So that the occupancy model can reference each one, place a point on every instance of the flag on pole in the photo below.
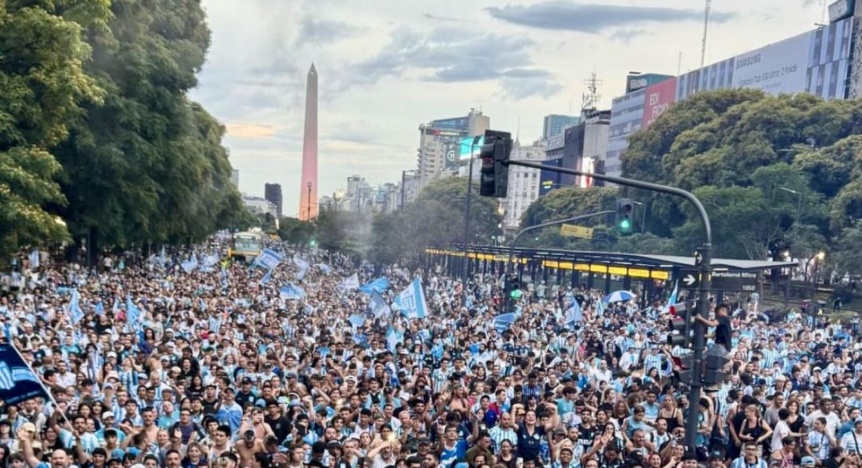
(350, 283)
(673, 298)
(18, 382)
(268, 259)
(411, 301)
(133, 314)
(302, 268)
(379, 285)
(379, 307)
(75, 312)
(574, 314)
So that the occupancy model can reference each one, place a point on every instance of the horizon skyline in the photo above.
(390, 68)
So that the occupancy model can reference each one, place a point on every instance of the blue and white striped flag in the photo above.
(574, 315)
(34, 259)
(75, 312)
(673, 298)
(266, 277)
(393, 338)
(292, 292)
(411, 302)
(502, 322)
(379, 307)
(350, 283)
(356, 320)
(268, 259)
(302, 268)
(133, 314)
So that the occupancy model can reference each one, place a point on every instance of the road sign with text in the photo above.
(571, 230)
(745, 281)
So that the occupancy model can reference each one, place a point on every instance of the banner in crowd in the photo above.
(17, 381)
(380, 285)
(411, 301)
(268, 259)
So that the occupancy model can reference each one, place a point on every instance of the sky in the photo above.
(385, 66)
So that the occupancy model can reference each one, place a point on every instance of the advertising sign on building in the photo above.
(776, 68)
(549, 180)
(659, 98)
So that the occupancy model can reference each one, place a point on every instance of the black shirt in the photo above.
(723, 332)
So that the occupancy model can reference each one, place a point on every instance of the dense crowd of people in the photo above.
(161, 363)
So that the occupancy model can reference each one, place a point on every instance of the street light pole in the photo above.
(798, 202)
(704, 268)
(465, 268)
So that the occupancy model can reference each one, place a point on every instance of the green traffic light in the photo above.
(625, 224)
(516, 294)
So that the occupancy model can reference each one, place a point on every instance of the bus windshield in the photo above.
(246, 244)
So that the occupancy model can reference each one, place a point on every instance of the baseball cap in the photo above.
(808, 461)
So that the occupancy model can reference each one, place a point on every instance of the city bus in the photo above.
(246, 245)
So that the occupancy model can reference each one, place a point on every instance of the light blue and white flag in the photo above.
(34, 259)
(211, 260)
(356, 320)
(503, 322)
(600, 308)
(380, 285)
(326, 269)
(350, 283)
(393, 338)
(292, 292)
(379, 307)
(268, 259)
(302, 268)
(411, 302)
(266, 277)
(672, 299)
(133, 314)
(190, 265)
(574, 314)
(75, 312)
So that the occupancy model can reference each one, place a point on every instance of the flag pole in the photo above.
(41, 384)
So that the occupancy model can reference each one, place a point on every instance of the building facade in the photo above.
(258, 205)
(272, 192)
(445, 144)
(555, 124)
(523, 183)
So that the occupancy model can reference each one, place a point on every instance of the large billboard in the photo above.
(776, 68)
(549, 180)
(658, 99)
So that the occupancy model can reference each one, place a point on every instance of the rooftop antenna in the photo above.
(705, 34)
(592, 97)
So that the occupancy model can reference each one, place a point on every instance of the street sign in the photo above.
(745, 281)
(690, 279)
(571, 230)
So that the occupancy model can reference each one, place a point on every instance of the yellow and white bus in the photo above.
(246, 245)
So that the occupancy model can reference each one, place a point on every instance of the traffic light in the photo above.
(714, 373)
(625, 206)
(680, 325)
(494, 176)
(513, 292)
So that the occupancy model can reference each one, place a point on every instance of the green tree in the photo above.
(296, 232)
(148, 164)
(846, 253)
(42, 88)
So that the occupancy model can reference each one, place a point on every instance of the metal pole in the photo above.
(705, 280)
(798, 207)
(466, 268)
(548, 224)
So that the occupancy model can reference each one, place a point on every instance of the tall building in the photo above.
(272, 192)
(445, 144)
(821, 62)
(555, 124)
(586, 145)
(523, 186)
(234, 178)
(308, 183)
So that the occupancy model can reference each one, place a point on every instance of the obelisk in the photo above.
(308, 183)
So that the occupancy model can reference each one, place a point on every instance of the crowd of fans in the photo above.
(220, 370)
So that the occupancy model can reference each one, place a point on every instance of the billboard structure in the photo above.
(658, 99)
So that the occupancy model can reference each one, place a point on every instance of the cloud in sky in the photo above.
(456, 55)
(564, 15)
(322, 31)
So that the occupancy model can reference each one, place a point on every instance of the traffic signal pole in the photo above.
(544, 225)
(704, 267)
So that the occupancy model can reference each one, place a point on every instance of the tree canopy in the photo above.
(776, 174)
(43, 86)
